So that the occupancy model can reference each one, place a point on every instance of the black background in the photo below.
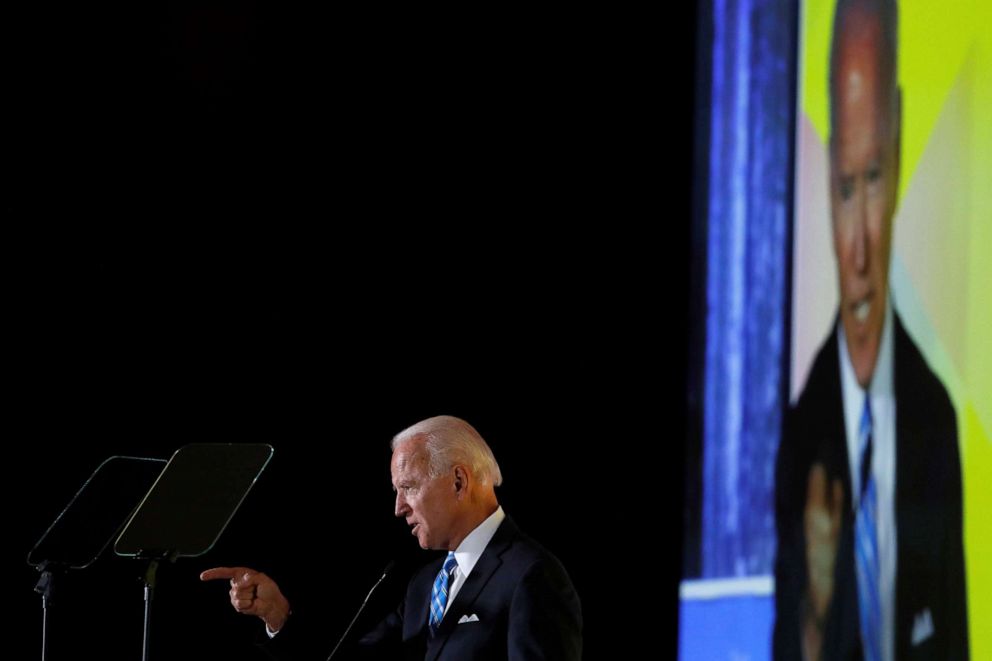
(231, 222)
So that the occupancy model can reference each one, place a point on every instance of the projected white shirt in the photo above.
(882, 394)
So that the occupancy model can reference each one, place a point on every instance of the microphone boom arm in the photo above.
(385, 572)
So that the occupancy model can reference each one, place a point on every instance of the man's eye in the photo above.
(874, 174)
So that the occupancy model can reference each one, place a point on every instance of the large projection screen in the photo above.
(941, 274)
(757, 339)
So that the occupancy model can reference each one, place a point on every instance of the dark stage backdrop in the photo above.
(236, 224)
(141, 360)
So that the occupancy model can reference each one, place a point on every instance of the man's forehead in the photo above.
(408, 456)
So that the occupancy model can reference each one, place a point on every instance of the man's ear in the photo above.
(461, 480)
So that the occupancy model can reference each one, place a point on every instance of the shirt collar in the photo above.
(471, 548)
(881, 381)
(882, 384)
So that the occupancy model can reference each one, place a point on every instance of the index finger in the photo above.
(221, 572)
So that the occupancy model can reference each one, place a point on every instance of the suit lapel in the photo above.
(416, 609)
(907, 426)
(842, 636)
(489, 562)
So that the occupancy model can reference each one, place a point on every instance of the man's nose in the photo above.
(401, 507)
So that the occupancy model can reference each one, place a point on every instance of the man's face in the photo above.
(864, 177)
(426, 504)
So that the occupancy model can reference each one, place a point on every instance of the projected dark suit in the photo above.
(930, 610)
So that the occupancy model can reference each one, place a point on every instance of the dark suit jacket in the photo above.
(520, 595)
(930, 555)
(524, 602)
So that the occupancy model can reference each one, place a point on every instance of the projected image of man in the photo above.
(870, 560)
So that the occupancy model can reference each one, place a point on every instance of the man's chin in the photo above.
(863, 363)
(862, 352)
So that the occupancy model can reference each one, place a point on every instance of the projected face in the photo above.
(426, 503)
(864, 177)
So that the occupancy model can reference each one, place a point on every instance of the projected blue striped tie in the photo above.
(866, 547)
(439, 594)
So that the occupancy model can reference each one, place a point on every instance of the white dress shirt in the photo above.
(466, 555)
(468, 552)
(881, 393)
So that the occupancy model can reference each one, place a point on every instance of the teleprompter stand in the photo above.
(93, 517)
(188, 507)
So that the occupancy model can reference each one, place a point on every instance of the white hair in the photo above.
(451, 441)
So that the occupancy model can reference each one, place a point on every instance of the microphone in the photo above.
(385, 572)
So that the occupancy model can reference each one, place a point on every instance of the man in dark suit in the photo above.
(497, 595)
(870, 561)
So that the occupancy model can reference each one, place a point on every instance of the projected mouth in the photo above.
(861, 311)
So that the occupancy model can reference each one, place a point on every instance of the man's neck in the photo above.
(473, 521)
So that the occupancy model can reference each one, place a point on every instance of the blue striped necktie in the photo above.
(439, 594)
(866, 546)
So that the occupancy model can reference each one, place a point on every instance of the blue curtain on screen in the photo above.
(746, 290)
